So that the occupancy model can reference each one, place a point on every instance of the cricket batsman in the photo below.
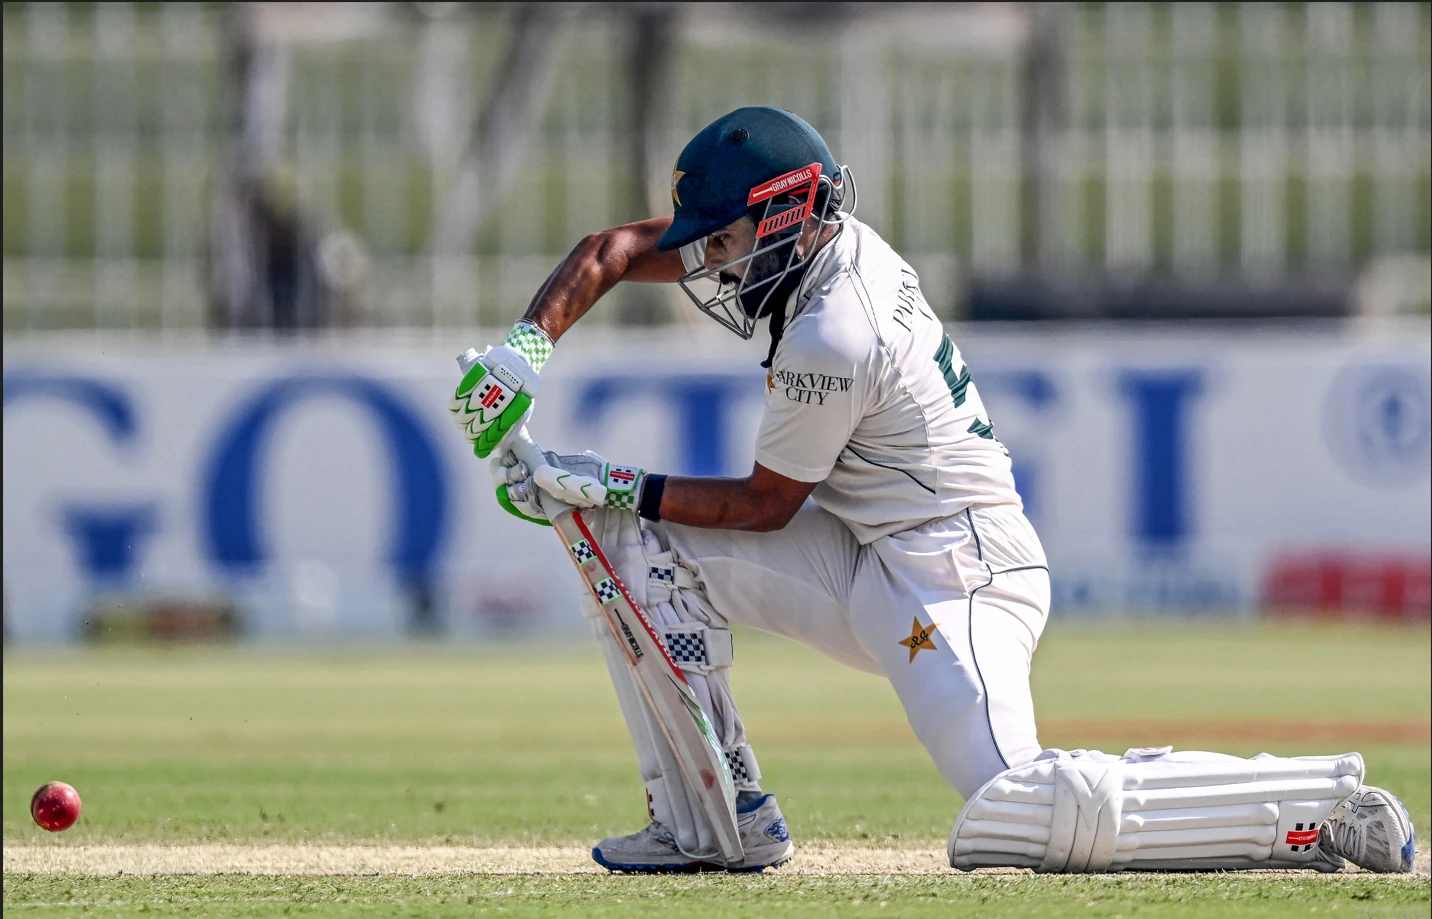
(881, 526)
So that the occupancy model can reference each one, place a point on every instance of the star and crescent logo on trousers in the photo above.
(922, 637)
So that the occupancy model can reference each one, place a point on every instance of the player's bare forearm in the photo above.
(761, 502)
(595, 265)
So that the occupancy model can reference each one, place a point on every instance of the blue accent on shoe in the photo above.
(754, 807)
(778, 831)
(1409, 850)
(683, 868)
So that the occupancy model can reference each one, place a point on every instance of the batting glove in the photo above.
(495, 396)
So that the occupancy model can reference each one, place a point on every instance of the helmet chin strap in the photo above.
(779, 298)
(787, 285)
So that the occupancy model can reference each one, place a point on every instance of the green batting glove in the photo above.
(516, 492)
(495, 395)
(505, 500)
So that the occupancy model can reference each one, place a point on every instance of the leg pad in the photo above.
(1087, 812)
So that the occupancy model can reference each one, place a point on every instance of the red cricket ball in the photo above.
(55, 807)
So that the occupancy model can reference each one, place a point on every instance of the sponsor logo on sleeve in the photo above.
(807, 388)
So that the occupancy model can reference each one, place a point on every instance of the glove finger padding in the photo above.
(572, 487)
(507, 469)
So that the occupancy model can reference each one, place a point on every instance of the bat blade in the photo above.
(684, 724)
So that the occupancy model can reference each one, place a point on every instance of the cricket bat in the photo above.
(668, 695)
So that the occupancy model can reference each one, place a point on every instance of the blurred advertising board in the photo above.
(319, 490)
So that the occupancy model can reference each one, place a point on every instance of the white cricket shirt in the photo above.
(868, 396)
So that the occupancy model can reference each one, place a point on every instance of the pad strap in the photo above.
(744, 768)
(664, 574)
(698, 648)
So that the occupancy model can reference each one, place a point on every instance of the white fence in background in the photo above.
(1194, 138)
(324, 488)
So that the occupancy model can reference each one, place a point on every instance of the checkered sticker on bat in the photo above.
(606, 590)
(582, 551)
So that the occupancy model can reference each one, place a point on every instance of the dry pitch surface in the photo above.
(413, 861)
(261, 880)
(245, 881)
(426, 861)
(425, 784)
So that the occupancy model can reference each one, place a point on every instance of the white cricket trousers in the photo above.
(949, 612)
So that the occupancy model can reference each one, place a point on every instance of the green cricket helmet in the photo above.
(767, 163)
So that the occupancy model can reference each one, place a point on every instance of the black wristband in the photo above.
(650, 506)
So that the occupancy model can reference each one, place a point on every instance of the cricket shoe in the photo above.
(653, 850)
(1371, 829)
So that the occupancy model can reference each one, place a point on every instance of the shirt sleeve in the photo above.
(816, 395)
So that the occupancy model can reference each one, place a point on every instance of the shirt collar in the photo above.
(825, 264)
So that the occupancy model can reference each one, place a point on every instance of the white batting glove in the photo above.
(516, 492)
(588, 480)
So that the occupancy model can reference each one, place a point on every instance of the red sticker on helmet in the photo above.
(796, 178)
(793, 179)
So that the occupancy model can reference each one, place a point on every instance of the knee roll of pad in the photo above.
(1064, 813)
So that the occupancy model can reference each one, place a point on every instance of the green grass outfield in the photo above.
(458, 781)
